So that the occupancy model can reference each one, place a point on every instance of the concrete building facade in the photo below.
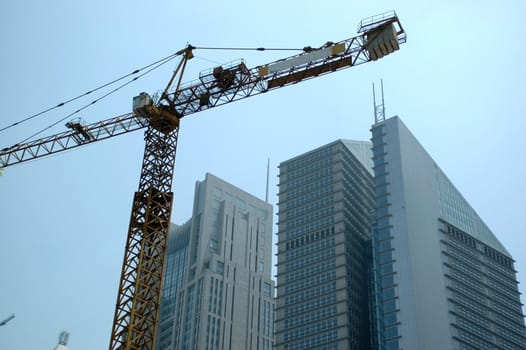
(325, 200)
(443, 280)
(218, 292)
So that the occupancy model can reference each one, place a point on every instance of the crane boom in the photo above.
(139, 295)
(79, 135)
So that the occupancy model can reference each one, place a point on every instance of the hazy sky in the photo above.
(458, 85)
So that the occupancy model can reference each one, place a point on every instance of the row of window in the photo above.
(317, 178)
(216, 296)
(506, 294)
(307, 194)
(307, 249)
(174, 274)
(451, 251)
(512, 323)
(213, 328)
(310, 293)
(317, 255)
(310, 282)
(187, 336)
(323, 341)
(510, 335)
(310, 217)
(310, 317)
(487, 284)
(322, 326)
(505, 279)
(299, 203)
(309, 226)
(475, 244)
(306, 164)
(475, 316)
(267, 318)
(464, 252)
(309, 270)
(473, 340)
(310, 305)
(292, 210)
(356, 216)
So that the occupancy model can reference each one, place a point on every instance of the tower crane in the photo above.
(139, 293)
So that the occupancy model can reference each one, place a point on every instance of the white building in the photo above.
(218, 292)
(443, 280)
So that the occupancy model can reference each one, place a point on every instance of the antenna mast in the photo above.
(63, 338)
(379, 110)
(266, 191)
(4, 322)
(62, 341)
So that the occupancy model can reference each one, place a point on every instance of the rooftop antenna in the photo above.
(266, 191)
(379, 110)
(62, 341)
(63, 338)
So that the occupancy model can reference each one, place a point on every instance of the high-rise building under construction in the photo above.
(218, 292)
(390, 261)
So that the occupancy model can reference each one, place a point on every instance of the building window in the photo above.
(266, 289)
(220, 267)
(214, 244)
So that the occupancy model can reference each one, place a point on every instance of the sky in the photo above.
(457, 84)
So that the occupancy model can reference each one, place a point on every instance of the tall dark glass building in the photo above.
(175, 268)
(325, 200)
(397, 260)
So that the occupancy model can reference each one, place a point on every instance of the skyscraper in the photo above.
(325, 200)
(218, 292)
(443, 280)
(398, 260)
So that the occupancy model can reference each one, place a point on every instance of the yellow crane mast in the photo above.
(139, 294)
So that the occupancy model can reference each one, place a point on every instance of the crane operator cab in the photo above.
(161, 117)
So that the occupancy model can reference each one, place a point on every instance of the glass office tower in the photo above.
(325, 201)
(217, 291)
(443, 280)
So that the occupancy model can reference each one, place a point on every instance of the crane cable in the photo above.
(156, 64)
(103, 96)
(248, 48)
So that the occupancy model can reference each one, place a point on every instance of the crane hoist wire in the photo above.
(96, 100)
(152, 66)
(155, 65)
(246, 48)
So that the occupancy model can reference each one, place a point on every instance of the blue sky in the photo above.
(458, 85)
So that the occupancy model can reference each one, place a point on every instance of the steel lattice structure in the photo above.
(138, 299)
(135, 320)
